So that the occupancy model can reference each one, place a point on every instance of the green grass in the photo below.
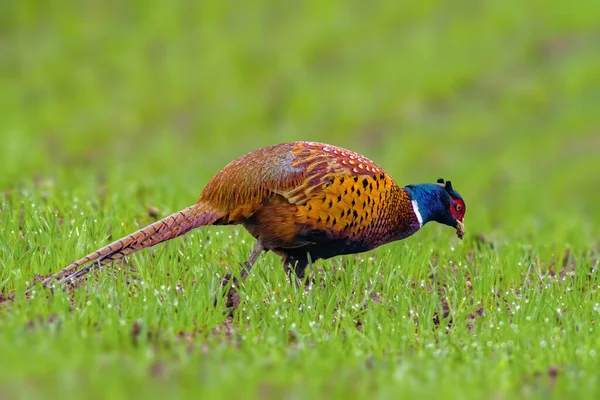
(107, 110)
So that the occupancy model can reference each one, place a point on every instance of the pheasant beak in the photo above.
(460, 229)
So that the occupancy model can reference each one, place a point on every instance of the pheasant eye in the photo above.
(458, 207)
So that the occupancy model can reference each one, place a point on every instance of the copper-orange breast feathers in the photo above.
(358, 205)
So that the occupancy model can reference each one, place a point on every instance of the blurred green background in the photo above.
(501, 97)
(108, 108)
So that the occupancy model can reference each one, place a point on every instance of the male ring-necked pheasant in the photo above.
(303, 201)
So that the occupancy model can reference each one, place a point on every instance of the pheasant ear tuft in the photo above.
(441, 180)
(449, 186)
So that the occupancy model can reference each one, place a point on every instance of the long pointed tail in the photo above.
(167, 228)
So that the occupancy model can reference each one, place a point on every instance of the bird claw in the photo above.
(232, 298)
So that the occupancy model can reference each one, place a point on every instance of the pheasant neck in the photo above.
(426, 201)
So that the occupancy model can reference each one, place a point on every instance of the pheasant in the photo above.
(302, 200)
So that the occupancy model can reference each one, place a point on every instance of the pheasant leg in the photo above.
(233, 297)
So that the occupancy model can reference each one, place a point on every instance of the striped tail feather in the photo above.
(167, 228)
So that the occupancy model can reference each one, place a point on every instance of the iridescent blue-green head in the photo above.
(438, 202)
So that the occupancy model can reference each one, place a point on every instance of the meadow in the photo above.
(115, 115)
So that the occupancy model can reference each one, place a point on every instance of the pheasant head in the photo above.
(438, 202)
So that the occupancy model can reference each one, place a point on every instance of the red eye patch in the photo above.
(457, 209)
